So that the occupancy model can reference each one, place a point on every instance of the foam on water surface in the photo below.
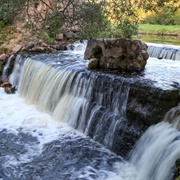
(34, 144)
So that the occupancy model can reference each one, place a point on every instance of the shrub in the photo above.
(53, 22)
(9, 9)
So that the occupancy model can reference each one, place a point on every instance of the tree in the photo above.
(157, 5)
(123, 15)
(90, 18)
(165, 10)
(86, 17)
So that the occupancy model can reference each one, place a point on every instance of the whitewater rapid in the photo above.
(32, 132)
(37, 126)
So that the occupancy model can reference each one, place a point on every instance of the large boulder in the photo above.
(119, 54)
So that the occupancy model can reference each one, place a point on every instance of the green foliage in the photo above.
(124, 18)
(53, 22)
(177, 18)
(5, 14)
(2, 25)
(165, 12)
(158, 5)
(127, 29)
(46, 38)
(164, 18)
(92, 20)
(9, 9)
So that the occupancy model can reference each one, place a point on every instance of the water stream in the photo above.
(61, 123)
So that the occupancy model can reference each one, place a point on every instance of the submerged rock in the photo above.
(122, 54)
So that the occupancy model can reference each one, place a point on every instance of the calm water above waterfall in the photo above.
(60, 123)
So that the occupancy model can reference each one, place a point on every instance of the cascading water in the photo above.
(72, 97)
(164, 51)
(35, 146)
(155, 154)
(6, 72)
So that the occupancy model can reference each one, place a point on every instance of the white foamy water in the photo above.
(18, 117)
(15, 114)
(155, 154)
(36, 146)
(152, 159)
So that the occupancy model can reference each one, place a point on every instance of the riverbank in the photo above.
(159, 34)
(157, 29)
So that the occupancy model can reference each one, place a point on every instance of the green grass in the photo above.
(159, 34)
(151, 28)
(160, 39)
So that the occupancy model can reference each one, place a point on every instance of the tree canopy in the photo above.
(91, 18)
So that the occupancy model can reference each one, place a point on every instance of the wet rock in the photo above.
(60, 47)
(8, 88)
(41, 49)
(121, 54)
(16, 49)
(148, 105)
(1, 66)
(30, 45)
(3, 57)
(177, 170)
(38, 47)
(93, 63)
(6, 84)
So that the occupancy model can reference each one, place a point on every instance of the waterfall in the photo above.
(95, 105)
(173, 117)
(77, 98)
(6, 67)
(164, 52)
(156, 152)
(15, 76)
